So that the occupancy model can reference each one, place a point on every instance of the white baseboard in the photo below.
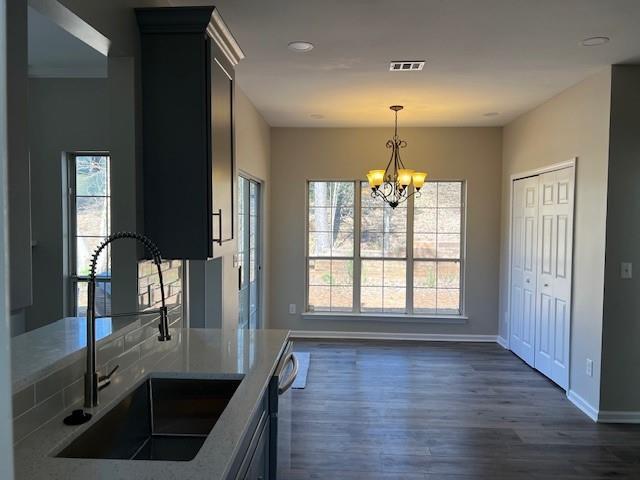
(502, 342)
(614, 416)
(583, 405)
(420, 337)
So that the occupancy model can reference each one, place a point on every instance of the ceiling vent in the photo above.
(407, 66)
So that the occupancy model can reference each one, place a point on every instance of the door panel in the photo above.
(554, 279)
(222, 135)
(523, 267)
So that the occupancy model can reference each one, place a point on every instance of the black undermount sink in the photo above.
(162, 419)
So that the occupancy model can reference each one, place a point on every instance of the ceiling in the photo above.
(483, 56)
(53, 52)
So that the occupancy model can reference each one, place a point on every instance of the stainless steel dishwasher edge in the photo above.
(281, 414)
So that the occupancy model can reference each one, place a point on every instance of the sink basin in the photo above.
(162, 419)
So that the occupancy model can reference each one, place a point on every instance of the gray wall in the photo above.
(620, 388)
(575, 123)
(301, 154)
(65, 115)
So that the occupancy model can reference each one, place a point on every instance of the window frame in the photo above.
(409, 315)
(71, 231)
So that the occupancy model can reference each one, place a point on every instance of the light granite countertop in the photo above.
(192, 353)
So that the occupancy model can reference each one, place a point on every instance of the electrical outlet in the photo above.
(589, 367)
(292, 308)
(625, 270)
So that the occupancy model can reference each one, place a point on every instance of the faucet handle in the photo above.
(105, 380)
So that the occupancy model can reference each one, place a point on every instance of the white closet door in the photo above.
(523, 268)
(555, 242)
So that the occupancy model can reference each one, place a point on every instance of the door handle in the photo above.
(219, 215)
(284, 386)
(546, 284)
(240, 277)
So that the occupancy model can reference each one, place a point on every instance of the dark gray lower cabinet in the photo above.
(259, 465)
(257, 452)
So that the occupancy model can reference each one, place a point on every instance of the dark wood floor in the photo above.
(447, 411)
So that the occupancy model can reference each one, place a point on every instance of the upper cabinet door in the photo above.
(223, 167)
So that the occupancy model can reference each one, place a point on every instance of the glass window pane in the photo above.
(428, 196)
(320, 219)
(320, 244)
(448, 220)
(85, 246)
(372, 220)
(425, 220)
(448, 300)
(448, 245)
(395, 220)
(448, 274)
(319, 298)
(342, 219)
(371, 244)
(395, 273)
(81, 299)
(449, 194)
(341, 299)
(342, 245)
(424, 300)
(395, 245)
(92, 175)
(319, 272)
(371, 299)
(424, 245)
(92, 217)
(424, 274)
(319, 194)
(371, 273)
(342, 272)
(395, 299)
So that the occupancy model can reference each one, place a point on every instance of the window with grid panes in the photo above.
(406, 260)
(330, 247)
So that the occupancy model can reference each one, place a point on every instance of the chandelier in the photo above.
(392, 183)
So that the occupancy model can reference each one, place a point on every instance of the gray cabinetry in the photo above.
(188, 173)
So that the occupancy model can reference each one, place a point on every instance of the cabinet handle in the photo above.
(219, 215)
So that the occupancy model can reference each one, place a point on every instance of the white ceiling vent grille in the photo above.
(406, 66)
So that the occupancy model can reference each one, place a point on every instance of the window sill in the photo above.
(387, 317)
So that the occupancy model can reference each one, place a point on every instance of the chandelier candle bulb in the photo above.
(418, 180)
(376, 178)
(404, 176)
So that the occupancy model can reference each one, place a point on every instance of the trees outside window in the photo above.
(363, 256)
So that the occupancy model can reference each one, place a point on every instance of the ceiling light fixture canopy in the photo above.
(595, 41)
(393, 183)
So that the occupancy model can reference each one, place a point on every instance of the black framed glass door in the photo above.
(249, 252)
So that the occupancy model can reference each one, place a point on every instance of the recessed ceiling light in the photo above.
(317, 116)
(491, 114)
(594, 41)
(300, 46)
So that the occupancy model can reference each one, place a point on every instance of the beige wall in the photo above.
(301, 154)
(573, 124)
(253, 154)
(621, 329)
